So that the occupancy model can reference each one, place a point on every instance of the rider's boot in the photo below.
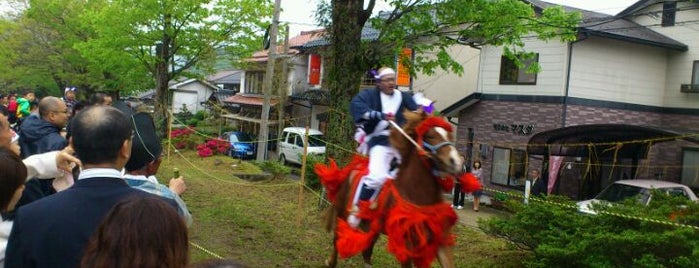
(364, 194)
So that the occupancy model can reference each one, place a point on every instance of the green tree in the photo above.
(168, 38)
(425, 26)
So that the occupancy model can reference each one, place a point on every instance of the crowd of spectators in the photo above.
(77, 186)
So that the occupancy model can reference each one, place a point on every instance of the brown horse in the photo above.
(410, 210)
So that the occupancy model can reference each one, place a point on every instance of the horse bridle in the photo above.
(432, 148)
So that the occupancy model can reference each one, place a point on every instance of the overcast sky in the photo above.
(299, 13)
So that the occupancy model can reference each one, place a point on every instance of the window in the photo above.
(253, 82)
(690, 167)
(510, 74)
(669, 10)
(509, 167)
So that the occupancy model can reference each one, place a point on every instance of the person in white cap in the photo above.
(69, 98)
(371, 110)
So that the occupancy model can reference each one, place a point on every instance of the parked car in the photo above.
(639, 189)
(243, 145)
(290, 147)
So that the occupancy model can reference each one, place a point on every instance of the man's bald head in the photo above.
(99, 133)
(49, 104)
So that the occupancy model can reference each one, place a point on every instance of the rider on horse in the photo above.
(371, 110)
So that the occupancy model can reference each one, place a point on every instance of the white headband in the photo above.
(385, 71)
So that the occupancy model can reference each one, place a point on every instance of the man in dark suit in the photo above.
(538, 184)
(53, 231)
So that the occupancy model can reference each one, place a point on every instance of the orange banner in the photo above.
(403, 73)
(314, 69)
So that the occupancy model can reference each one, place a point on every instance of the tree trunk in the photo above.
(162, 78)
(346, 68)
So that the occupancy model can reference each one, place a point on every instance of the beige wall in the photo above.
(549, 82)
(679, 64)
(605, 69)
(447, 88)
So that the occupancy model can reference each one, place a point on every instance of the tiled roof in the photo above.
(616, 28)
(225, 76)
(223, 94)
(249, 100)
(315, 96)
(368, 33)
(296, 41)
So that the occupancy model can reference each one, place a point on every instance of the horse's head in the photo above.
(435, 137)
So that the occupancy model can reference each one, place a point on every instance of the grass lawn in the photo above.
(262, 225)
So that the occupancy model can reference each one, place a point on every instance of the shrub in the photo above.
(312, 180)
(212, 147)
(201, 115)
(192, 122)
(278, 170)
(559, 236)
(183, 115)
(185, 138)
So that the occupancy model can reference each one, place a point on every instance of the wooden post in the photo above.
(303, 175)
(169, 136)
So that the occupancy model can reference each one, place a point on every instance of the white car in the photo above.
(290, 146)
(640, 189)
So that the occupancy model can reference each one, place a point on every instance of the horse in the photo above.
(409, 209)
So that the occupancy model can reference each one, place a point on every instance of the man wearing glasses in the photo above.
(41, 134)
(371, 110)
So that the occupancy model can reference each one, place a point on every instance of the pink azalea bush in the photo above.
(186, 138)
(213, 146)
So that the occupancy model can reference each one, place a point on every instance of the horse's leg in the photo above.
(445, 255)
(367, 253)
(331, 262)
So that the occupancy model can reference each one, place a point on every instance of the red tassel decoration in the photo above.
(469, 183)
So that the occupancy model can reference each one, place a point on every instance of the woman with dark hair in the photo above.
(477, 171)
(139, 232)
(13, 173)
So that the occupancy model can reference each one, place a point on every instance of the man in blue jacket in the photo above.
(371, 110)
(42, 134)
(52, 232)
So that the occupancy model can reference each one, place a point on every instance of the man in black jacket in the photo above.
(53, 231)
(42, 134)
(538, 184)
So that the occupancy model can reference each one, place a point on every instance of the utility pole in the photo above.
(267, 85)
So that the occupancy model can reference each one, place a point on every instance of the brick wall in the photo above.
(490, 121)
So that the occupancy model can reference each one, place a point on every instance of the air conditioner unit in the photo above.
(690, 88)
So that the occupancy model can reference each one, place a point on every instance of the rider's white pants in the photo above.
(379, 164)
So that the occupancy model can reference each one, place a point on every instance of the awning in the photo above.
(603, 140)
(314, 96)
(247, 119)
(256, 100)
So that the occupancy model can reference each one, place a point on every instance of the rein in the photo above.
(433, 148)
(421, 150)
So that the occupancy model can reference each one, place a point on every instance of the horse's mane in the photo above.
(413, 119)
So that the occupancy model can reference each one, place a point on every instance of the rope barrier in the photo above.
(205, 250)
(574, 207)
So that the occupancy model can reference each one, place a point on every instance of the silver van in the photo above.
(290, 147)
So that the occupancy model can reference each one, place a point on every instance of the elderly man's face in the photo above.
(59, 117)
(387, 84)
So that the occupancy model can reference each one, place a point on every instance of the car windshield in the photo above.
(618, 192)
(316, 141)
(240, 137)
